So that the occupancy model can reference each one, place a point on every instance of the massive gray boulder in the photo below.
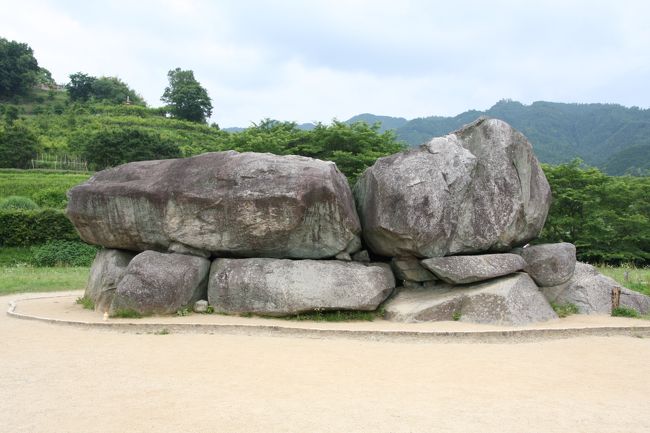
(224, 203)
(469, 269)
(277, 287)
(160, 283)
(510, 300)
(107, 270)
(591, 292)
(549, 264)
(475, 190)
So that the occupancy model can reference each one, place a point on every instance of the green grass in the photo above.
(11, 256)
(564, 310)
(27, 183)
(338, 316)
(638, 279)
(127, 313)
(625, 312)
(27, 279)
(85, 302)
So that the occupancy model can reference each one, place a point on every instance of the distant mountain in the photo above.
(609, 136)
(386, 122)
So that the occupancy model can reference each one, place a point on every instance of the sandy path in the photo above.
(60, 379)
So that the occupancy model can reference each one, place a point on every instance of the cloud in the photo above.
(317, 60)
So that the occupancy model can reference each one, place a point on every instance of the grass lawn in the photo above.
(638, 279)
(25, 279)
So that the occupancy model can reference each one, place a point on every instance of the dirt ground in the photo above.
(64, 379)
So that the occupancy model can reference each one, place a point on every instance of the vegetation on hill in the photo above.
(609, 136)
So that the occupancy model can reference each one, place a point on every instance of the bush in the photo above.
(564, 310)
(53, 198)
(19, 228)
(625, 312)
(18, 146)
(16, 202)
(63, 253)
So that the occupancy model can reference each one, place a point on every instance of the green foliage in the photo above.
(63, 253)
(53, 198)
(34, 227)
(24, 279)
(337, 316)
(127, 313)
(80, 86)
(86, 302)
(610, 136)
(15, 256)
(183, 312)
(607, 218)
(18, 146)
(186, 98)
(16, 202)
(111, 147)
(456, 316)
(42, 186)
(114, 91)
(19, 69)
(564, 310)
(625, 312)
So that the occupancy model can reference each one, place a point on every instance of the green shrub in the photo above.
(16, 202)
(564, 310)
(127, 313)
(86, 302)
(625, 312)
(53, 198)
(63, 253)
(20, 228)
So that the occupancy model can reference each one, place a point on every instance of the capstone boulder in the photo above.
(478, 189)
(222, 203)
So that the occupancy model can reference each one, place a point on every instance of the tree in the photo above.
(18, 145)
(111, 147)
(114, 91)
(186, 98)
(80, 87)
(18, 68)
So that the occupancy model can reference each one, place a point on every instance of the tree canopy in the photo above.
(19, 70)
(83, 87)
(185, 97)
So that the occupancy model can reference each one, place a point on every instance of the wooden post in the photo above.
(616, 297)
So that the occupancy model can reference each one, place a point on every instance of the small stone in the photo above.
(362, 256)
(470, 269)
(345, 257)
(200, 306)
(409, 268)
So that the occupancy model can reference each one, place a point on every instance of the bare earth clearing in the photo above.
(64, 379)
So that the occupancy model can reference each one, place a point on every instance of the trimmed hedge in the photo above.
(20, 228)
(63, 253)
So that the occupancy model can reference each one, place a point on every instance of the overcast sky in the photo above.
(317, 60)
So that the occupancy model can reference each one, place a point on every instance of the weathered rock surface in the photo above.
(469, 269)
(510, 300)
(200, 306)
(410, 269)
(549, 264)
(478, 189)
(591, 292)
(107, 270)
(277, 287)
(226, 203)
(159, 283)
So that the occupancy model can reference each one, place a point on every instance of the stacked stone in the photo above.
(251, 233)
(279, 235)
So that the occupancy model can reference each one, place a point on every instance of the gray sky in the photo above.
(317, 60)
